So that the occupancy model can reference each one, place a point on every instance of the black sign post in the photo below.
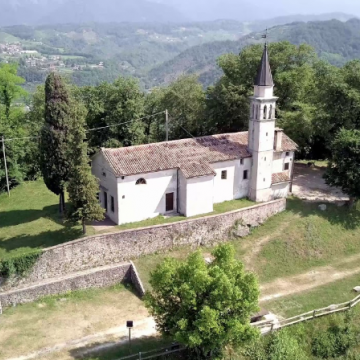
(130, 325)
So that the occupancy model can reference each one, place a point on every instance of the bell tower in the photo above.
(262, 132)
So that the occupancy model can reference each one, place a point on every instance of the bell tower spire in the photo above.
(262, 131)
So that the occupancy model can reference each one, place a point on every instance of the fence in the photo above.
(163, 353)
(267, 326)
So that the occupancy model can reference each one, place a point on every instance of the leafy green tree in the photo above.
(204, 307)
(185, 101)
(54, 160)
(12, 125)
(10, 88)
(109, 105)
(344, 165)
(83, 186)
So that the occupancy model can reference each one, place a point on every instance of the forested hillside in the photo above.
(334, 41)
(95, 52)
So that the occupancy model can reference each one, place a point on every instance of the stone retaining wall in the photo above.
(112, 248)
(99, 278)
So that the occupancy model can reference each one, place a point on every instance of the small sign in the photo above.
(129, 324)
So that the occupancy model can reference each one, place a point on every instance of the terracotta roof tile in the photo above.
(280, 177)
(193, 170)
(180, 153)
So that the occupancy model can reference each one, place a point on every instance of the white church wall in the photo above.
(199, 196)
(234, 186)
(182, 193)
(141, 202)
(108, 185)
(264, 91)
(280, 191)
(280, 159)
(264, 135)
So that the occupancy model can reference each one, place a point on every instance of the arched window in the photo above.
(253, 111)
(271, 112)
(141, 182)
(265, 112)
(257, 112)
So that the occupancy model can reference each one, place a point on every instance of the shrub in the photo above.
(19, 265)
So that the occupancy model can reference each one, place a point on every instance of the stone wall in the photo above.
(136, 281)
(96, 278)
(122, 246)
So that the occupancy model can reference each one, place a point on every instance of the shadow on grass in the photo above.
(336, 215)
(113, 350)
(18, 217)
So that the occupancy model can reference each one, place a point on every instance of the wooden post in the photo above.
(314, 315)
(167, 124)
(5, 164)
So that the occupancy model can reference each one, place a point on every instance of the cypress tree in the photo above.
(54, 160)
(82, 186)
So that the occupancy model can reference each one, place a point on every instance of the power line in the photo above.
(89, 130)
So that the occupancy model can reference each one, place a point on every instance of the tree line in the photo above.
(316, 101)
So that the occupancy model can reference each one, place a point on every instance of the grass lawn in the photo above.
(335, 293)
(29, 219)
(318, 163)
(57, 320)
(301, 238)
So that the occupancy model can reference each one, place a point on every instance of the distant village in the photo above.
(34, 59)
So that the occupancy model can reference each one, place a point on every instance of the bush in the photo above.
(336, 341)
(19, 265)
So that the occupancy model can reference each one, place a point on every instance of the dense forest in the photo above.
(316, 100)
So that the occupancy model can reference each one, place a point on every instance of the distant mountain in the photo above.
(334, 41)
(35, 12)
(247, 10)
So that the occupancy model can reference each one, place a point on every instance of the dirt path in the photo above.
(308, 281)
(143, 328)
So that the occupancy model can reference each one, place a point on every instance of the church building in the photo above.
(189, 176)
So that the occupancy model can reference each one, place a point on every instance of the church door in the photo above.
(169, 202)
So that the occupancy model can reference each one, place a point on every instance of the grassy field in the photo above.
(318, 163)
(58, 320)
(301, 238)
(29, 219)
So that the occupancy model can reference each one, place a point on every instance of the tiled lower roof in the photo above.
(179, 154)
(193, 170)
(280, 177)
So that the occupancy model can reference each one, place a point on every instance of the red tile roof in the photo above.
(280, 177)
(193, 156)
(193, 170)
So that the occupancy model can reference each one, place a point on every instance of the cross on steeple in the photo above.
(265, 36)
(264, 76)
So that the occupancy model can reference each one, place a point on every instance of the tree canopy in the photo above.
(204, 306)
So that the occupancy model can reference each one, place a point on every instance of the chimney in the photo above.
(278, 139)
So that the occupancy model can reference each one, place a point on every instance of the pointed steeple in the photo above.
(264, 76)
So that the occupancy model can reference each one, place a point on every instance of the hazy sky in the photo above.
(257, 9)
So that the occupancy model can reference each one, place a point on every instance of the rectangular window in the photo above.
(286, 166)
(112, 204)
(106, 201)
(242, 162)
(287, 153)
(170, 202)
(246, 174)
(224, 175)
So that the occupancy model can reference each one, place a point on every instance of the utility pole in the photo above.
(6, 170)
(167, 124)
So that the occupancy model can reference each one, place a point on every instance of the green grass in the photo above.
(301, 238)
(29, 220)
(318, 163)
(334, 293)
(218, 209)
(8, 38)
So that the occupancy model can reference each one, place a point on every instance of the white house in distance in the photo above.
(189, 176)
